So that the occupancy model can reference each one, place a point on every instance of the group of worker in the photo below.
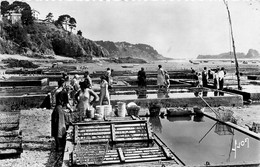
(163, 78)
(76, 94)
(218, 76)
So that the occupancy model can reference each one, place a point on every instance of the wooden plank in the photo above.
(94, 133)
(121, 155)
(94, 136)
(166, 152)
(10, 140)
(113, 135)
(108, 123)
(93, 127)
(111, 162)
(111, 158)
(132, 139)
(159, 154)
(149, 133)
(112, 151)
(131, 129)
(10, 145)
(130, 135)
(140, 149)
(9, 133)
(129, 125)
(10, 151)
(94, 130)
(8, 127)
(143, 152)
(145, 159)
(76, 134)
(94, 141)
(144, 156)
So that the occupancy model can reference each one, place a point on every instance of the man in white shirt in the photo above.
(221, 75)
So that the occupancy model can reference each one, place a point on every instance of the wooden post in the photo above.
(234, 48)
(149, 133)
(76, 130)
(113, 133)
(166, 152)
(121, 155)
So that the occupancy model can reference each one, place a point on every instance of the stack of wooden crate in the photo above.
(10, 135)
(107, 143)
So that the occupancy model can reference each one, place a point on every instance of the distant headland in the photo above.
(251, 54)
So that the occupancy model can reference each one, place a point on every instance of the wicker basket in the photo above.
(133, 110)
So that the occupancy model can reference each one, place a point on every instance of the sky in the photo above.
(176, 29)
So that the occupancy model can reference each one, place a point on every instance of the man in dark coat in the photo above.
(58, 125)
(141, 77)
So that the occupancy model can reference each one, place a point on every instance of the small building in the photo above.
(13, 17)
(35, 14)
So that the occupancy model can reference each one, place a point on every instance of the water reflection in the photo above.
(156, 124)
(198, 93)
(195, 143)
(205, 93)
(174, 119)
(198, 118)
(218, 93)
(222, 129)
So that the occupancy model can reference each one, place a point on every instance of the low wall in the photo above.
(14, 103)
(12, 83)
(236, 100)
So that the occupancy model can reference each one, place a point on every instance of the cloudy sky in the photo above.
(177, 29)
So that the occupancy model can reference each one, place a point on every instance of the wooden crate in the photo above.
(118, 131)
(10, 135)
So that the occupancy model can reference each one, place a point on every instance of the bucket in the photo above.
(107, 110)
(121, 109)
(100, 110)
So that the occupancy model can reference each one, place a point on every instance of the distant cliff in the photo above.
(124, 50)
(251, 54)
(47, 39)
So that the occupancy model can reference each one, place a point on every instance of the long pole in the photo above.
(234, 48)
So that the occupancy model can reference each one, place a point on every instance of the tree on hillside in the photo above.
(79, 33)
(72, 23)
(24, 9)
(63, 20)
(49, 17)
(4, 7)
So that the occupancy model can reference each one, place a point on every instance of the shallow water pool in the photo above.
(171, 95)
(197, 140)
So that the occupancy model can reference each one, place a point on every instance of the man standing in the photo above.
(221, 75)
(87, 79)
(160, 77)
(205, 77)
(141, 77)
(58, 124)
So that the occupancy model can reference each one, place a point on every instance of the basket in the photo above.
(222, 129)
(225, 115)
(133, 110)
